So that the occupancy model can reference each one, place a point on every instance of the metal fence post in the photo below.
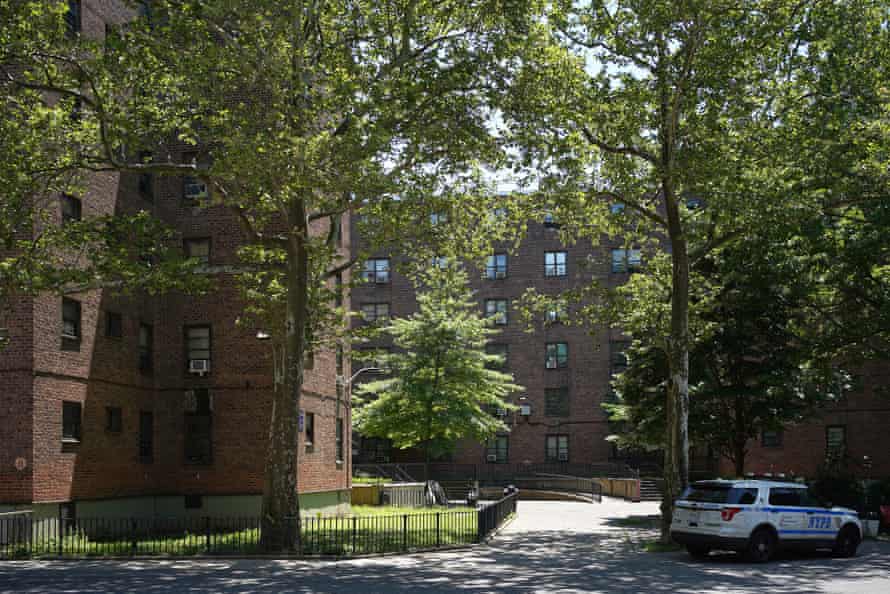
(206, 534)
(61, 533)
(354, 531)
(405, 532)
(438, 532)
(134, 541)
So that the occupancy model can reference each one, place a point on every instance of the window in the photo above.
(771, 438)
(194, 502)
(554, 263)
(309, 428)
(113, 419)
(498, 350)
(146, 436)
(557, 448)
(193, 189)
(499, 212)
(556, 402)
(376, 271)
(616, 208)
(694, 203)
(440, 262)
(375, 312)
(73, 18)
(199, 430)
(497, 449)
(198, 248)
(550, 221)
(497, 308)
(70, 319)
(617, 357)
(71, 421)
(557, 312)
(71, 209)
(146, 347)
(785, 496)
(146, 180)
(625, 260)
(496, 267)
(114, 324)
(715, 493)
(835, 442)
(437, 218)
(339, 438)
(197, 343)
(556, 355)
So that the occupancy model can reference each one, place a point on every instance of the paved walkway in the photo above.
(550, 547)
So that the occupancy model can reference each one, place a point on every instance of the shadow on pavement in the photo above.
(522, 562)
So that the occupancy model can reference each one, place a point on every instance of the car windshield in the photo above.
(711, 493)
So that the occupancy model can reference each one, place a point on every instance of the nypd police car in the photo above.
(759, 517)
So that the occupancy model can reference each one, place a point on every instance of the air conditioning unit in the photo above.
(563, 456)
(500, 274)
(492, 457)
(199, 366)
(525, 410)
(195, 191)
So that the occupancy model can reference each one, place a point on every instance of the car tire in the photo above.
(698, 551)
(761, 545)
(847, 542)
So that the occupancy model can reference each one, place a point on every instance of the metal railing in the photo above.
(448, 471)
(26, 536)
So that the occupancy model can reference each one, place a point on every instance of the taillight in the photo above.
(728, 513)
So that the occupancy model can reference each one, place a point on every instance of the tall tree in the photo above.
(442, 385)
(629, 112)
(298, 111)
(754, 366)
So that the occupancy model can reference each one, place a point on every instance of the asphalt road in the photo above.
(550, 547)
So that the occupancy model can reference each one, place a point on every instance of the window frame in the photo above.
(339, 441)
(74, 18)
(494, 270)
(71, 209)
(773, 442)
(553, 267)
(110, 325)
(114, 419)
(829, 453)
(615, 351)
(191, 157)
(189, 242)
(631, 260)
(201, 418)
(188, 349)
(557, 312)
(493, 446)
(67, 302)
(377, 317)
(309, 431)
(501, 317)
(145, 182)
(146, 352)
(557, 437)
(559, 357)
(551, 409)
(146, 442)
(503, 349)
(72, 421)
(373, 273)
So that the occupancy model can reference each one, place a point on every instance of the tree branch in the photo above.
(618, 150)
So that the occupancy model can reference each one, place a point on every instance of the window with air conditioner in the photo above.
(557, 448)
(71, 319)
(198, 349)
(496, 267)
(496, 449)
(375, 312)
(624, 260)
(197, 249)
(194, 189)
(71, 421)
(502, 351)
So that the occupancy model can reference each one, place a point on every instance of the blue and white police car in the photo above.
(759, 517)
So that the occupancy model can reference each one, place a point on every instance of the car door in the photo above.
(786, 513)
(822, 524)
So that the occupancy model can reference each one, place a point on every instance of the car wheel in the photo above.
(698, 551)
(761, 546)
(847, 542)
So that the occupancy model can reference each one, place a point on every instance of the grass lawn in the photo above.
(366, 530)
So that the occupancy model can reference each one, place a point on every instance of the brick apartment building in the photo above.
(566, 372)
(154, 405)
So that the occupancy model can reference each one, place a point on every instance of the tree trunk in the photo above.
(739, 459)
(281, 506)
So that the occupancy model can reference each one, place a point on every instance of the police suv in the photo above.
(758, 517)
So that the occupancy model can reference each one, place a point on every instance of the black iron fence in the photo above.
(24, 535)
(447, 471)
